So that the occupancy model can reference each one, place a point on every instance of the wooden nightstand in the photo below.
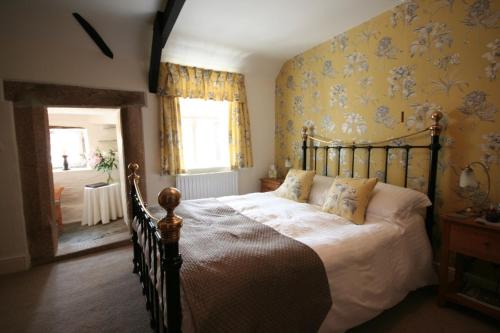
(270, 184)
(465, 237)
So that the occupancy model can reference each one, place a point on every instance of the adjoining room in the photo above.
(86, 157)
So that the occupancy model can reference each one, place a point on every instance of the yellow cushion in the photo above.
(297, 185)
(348, 197)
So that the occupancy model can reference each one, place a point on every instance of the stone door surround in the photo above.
(30, 101)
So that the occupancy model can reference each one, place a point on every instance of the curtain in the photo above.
(170, 136)
(177, 81)
(240, 152)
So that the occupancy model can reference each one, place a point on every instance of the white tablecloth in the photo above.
(101, 204)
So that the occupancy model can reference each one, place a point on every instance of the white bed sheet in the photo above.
(370, 267)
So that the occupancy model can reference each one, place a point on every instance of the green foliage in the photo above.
(104, 162)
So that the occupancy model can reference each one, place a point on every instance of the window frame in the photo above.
(84, 144)
(210, 169)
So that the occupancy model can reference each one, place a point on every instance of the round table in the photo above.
(101, 204)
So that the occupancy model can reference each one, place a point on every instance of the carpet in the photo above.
(95, 293)
(99, 293)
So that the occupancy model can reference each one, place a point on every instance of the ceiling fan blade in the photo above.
(94, 35)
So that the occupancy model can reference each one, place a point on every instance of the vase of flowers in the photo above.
(104, 162)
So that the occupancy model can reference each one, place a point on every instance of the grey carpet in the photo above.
(419, 312)
(98, 293)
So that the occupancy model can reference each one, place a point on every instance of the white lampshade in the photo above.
(468, 178)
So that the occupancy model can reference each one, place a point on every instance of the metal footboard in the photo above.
(156, 257)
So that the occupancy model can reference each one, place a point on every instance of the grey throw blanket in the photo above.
(239, 275)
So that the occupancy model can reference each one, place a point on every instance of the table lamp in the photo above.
(469, 181)
(288, 165)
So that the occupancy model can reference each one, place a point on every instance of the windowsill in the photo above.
(70, 170)
(207, 170)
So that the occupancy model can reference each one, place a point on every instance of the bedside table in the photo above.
(464, 237)
(270, 184)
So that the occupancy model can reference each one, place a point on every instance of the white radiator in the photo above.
(207, 185)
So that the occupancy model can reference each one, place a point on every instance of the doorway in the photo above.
(30, 102)
(89, 193)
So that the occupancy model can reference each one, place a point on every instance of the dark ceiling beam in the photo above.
(163, 25)
(94, 35)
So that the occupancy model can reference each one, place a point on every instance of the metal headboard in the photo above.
(310, 149)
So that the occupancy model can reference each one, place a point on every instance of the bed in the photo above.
(366, 269)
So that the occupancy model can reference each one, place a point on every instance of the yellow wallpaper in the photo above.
(419, 57)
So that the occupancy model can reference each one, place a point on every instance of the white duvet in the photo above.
(370, 267)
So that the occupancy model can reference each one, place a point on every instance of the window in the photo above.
(72, 142)
(205, 134)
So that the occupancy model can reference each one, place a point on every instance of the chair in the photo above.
(57, 204)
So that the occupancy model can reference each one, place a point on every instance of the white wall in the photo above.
(42, 43)
(260, 91)
(13, 246)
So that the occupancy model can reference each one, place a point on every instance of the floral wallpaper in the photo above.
(386, 76)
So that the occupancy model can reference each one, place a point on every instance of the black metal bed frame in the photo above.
(311, 150)
(159, 274)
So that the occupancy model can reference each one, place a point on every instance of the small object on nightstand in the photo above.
(270, 184)
(272, 173)
(492, 215)
(466, 237)
(288, 165)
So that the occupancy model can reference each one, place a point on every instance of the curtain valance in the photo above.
(192, 82)
(177, 81)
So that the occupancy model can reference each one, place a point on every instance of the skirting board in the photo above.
(13, 264)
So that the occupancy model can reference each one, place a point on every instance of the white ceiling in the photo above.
(234, 35)
(237, 35)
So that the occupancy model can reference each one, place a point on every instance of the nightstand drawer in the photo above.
(475, 242)
(270, 184)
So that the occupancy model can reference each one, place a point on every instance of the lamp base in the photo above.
(470, 212)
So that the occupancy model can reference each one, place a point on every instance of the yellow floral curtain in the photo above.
(240, 148)
(171, 136)
(177, 81)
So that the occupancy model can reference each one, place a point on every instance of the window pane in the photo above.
(205, 135)
(72, 142)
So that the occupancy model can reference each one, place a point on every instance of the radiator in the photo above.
(207, 185)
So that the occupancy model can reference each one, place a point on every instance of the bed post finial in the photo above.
(170, 226)
(133, 167)
(436, 127)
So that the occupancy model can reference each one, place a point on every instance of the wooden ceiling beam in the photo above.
(163, 25)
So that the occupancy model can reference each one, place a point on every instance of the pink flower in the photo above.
(95, 160)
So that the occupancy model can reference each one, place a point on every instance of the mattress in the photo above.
(370, 267)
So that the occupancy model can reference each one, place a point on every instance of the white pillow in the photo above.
(396, 204)
(319, 189)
